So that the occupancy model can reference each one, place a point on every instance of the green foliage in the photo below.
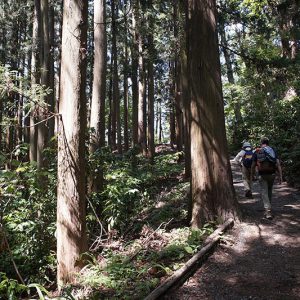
(28, 210)
(10, 288)
(117, 276)
(186, 242)
(128, 188)
(266, 87)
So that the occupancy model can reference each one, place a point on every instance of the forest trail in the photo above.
(259, 259)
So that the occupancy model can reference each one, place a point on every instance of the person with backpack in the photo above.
(244, 158)
(266, 161)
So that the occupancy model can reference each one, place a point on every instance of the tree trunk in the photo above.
(185, 94)
(160, 131)
(125, 82)
(97, 122)
(71, 201)
(58, 61)
(35, 78)
(42, 134)
(171, 103)
(172, 119)
(110, 93)
(212, 189)
(51, 122)
(151, 145)
(141, 89)
(177, 93)
(116, 122)
(134, 76)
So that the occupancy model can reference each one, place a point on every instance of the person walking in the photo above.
(244, 159)
(267, 163)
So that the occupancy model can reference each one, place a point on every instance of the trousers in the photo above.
(266, 184)
(247, 178)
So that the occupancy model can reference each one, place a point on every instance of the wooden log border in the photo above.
(180, 276)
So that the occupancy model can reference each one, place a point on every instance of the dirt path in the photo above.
(259, 259)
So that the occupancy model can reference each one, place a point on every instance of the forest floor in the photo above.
(259, 258)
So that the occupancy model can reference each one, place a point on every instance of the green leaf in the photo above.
(189, 249)
(40, 289)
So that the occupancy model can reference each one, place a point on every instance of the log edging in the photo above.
(185, 271)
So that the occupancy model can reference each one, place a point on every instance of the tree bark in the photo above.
(51, 122)
(151, 144)
(134, 76)
(212, 189)
(35, 78)
(97, 123)
(172, 104)
(42, 134)
(116, 122)
(177, 92)
(71, 203)
(110, 93)
(141, 89)
(125, 82)
(185, 95)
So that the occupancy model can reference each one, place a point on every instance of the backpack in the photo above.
(266, 160)
(247, 158)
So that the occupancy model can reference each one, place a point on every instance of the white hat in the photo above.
(246, 144)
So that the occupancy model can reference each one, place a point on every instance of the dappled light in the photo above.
(259, 259)
(134, 157)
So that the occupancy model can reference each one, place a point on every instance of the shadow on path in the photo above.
(258, 259)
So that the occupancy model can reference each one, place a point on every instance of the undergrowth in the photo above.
(143, 235)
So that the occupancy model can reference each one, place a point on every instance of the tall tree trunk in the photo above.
(22, 60)
(172, 118)
(99, 89)
(211, 181)
(134, 75)
(71, 203)
(20, 110)
(171, 103)
(125, 83)
(110, 93)
(141, 89)
(51, 122)
(13, 96)
(151, 145)
(58, 25)
(177, 93)
(185, 94)
(160, 131)
(116, 124)
(35, 78)
(42, 134)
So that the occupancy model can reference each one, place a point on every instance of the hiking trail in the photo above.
(258, 259)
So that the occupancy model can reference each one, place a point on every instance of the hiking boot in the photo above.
(248, 194)
(268, 215)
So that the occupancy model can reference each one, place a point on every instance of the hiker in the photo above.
(244, 158)
(267, 163)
